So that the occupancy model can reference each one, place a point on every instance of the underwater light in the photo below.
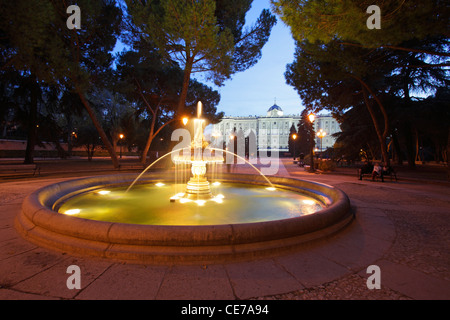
(71, 212)
(200, 202)
(218, 200)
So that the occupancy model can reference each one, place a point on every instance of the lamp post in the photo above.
(121, 136)
(321, 134)
(294, 137)
(311, 118)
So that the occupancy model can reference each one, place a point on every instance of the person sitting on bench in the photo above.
(376, 171)
(366, 169)
(387, 171)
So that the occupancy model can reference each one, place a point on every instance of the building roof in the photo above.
(274, 107)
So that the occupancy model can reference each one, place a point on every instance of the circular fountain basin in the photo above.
(143, 226)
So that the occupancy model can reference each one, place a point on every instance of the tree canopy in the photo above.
(203, 36)
(346, 20)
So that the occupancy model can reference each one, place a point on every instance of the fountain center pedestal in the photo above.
(198, 187)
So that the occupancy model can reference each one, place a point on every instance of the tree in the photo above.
(409, 79)
(357, 138)
(153, 85)
(336, 78)
(37, 42)
(346, 20)
(86, 57)
(87, 137)
(203, 36)
(25, 45)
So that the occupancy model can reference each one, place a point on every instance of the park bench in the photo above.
(131, 166)
(19, 168)
(367, 170)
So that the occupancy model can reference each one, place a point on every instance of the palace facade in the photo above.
(273, 130)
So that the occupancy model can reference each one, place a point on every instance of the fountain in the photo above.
(144, 219)
(198, 187)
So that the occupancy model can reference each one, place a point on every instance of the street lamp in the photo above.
(185, 120)
(294, 136)
(121, 136)
(311, 118)
(321, 134)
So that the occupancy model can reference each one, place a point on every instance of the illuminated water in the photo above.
(149, 204)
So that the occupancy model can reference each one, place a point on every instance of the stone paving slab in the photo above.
(412, 283)
(206, 282)
(52, 282)
(260, 278)
(311, 269)
(125, 282)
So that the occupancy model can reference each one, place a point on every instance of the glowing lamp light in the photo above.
(271, 189)
(309, 202)
(159, 184)
(104, 192)
(185, 120)
(216, 184)
(72, 212)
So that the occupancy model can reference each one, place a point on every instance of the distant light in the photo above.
(216, 184)
(104, 192)
(271, 189)
(72, 212)
(309, 202)
(185, 120)
(220, 196)
(160, 184)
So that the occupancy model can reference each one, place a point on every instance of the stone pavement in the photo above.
(402, 227)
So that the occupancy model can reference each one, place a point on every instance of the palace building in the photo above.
(273, 130)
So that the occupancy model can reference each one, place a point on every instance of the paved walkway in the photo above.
(402, 227)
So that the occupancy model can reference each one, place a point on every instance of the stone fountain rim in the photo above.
(38, 223)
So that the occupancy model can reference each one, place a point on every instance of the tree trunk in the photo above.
(410, 148)
(381, 135)
(448, 155)
(100, 130)
(149, 141)
(32, 123)
(398, 151)
(409, 138)
(185, 87)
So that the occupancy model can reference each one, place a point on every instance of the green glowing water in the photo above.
(150, 205)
